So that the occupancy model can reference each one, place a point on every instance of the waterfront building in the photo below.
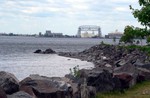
(115, 34)
(48, 33)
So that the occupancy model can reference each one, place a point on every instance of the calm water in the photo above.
(17, 57)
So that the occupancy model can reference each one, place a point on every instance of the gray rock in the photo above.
(19, 94)
(101, 79)
(9, 82)
(49, 51)
(2, 93)
(38, 51)
(45, 87)
(127, 73)
(146, 66)
(144, 74)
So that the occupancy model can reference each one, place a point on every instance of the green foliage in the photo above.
(128, 36)
(131, 33)
(114, 40)
(148, 40)
(102, 43)
(143, 14)
(75, 71)
(142, 48)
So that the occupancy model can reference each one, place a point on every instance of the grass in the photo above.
(140, 90)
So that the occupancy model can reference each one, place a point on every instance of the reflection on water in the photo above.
(47, 65)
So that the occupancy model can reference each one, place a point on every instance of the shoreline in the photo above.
(116, 68)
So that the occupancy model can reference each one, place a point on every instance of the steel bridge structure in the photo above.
(89, 28)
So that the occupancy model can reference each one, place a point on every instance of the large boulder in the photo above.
(19, 94)
(146, 66)
(125, 80)
(9, 82)
(2, 93)
(143, 74)
(99, 78)
(27, 89)
(45, 87)
(127, 73)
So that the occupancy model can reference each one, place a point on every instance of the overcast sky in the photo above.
(34, 16)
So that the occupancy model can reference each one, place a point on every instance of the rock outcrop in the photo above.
(9, 82)
(45, 87)
(19, 94)
(2, 93)
(47, 51)
(115, 66)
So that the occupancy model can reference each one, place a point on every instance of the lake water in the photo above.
(17, 57)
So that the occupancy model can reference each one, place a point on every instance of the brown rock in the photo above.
(9, 82)
(2, 93)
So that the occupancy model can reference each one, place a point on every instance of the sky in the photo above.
(65, 16)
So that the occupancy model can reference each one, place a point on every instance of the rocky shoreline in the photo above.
(116, 68)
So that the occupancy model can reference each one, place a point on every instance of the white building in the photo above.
(115, 34)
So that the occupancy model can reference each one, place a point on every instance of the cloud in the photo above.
(69, 13)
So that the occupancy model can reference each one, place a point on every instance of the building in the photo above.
(115, 34)
(87, 35)
(48, 33)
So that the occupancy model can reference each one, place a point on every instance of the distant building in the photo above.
(115, 34)
(48, 33)
(87, 35)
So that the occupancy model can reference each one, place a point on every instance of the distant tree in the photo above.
(128, 36)
(114, 40)
(143, 16)
(148, 40)
(140, 33)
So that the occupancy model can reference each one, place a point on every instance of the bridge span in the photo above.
(87, 28)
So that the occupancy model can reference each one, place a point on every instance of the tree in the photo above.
(128, 36)
(114, 40)
(143, 14)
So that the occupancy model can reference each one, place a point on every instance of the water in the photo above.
(17, 57)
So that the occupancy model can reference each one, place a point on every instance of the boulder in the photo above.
(19, 94)
(143, 74)
(38, 51)
(125, 80)
(146, 66)
(2, 93)
(99, 78)
(27, 89)
(45, 87)
(49, 51)
(127, 74)
(9, 82)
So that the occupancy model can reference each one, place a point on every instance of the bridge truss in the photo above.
(89, 28)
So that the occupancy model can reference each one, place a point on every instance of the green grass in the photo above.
(140, 90)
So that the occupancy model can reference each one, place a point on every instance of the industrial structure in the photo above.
(115, 34)
(48, 33)
(87, 28)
